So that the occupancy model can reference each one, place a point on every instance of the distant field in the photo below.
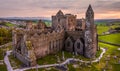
(100, 23)
(112, 51)
(113, 64)
(48, 23)
(101, 29)
(7, 24)
(113, 38)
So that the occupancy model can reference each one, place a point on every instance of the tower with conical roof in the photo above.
(90, 34)
(89, 17)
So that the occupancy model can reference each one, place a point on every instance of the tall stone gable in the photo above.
(67, 22)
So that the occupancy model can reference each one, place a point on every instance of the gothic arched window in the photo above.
(58, 20)
(68, 43)
(78, 45)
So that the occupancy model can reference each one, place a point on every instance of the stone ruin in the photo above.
(66, 33)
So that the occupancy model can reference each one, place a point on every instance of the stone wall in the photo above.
(68, 33)
(67, 21)
(22, 58)
(49, 43)
(74, 42)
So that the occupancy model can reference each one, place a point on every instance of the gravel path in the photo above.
(7, 62)
(67, 61)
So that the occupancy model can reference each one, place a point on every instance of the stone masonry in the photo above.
(78, 36)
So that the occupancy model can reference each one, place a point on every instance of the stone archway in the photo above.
(78, 47)
(69, 45)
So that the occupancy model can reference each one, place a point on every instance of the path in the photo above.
(5, 45)
(65, 62)
(7, 62)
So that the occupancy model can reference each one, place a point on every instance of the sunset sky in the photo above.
(103, 9)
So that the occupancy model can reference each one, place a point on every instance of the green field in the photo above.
(113, 63)
(101, 29)
(8, 24)
(48, 23)
(3, 68)
(113, 38)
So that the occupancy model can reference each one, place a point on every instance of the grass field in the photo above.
(102, 29)
(8, 24)
(111, 52)
(108, 61)
(113, 38)
(3, 68)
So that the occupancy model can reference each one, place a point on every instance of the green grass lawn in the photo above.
(43, 69)
(1, 54)
(3, 51)
(111, 50)
(113, 38)
(52, 58)
(9, 24)
(3, 68)
(115, 26)
(102, 29)
(49, 59)
(48, 24)
(15, 62)
(112, 63)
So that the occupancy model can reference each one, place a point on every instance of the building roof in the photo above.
(59, 13)
(90, 9)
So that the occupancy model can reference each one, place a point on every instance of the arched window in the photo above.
(78, 45)
(68, 43)
(58, 20)
(50, 46)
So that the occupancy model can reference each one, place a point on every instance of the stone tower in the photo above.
(29, 25)
(90, 34)
(90, 15)
(57, 19)
(67, 21)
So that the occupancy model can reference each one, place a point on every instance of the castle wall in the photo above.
(22, 58)
(71, 22)
(74, 42)
(33, 43)
(45, 44)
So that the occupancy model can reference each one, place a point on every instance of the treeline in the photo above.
(5, 35)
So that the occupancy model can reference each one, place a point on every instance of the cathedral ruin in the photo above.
(78, 36)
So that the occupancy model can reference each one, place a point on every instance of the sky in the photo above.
(104, 9)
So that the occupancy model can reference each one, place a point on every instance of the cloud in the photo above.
(50, 7)
(107, 5)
